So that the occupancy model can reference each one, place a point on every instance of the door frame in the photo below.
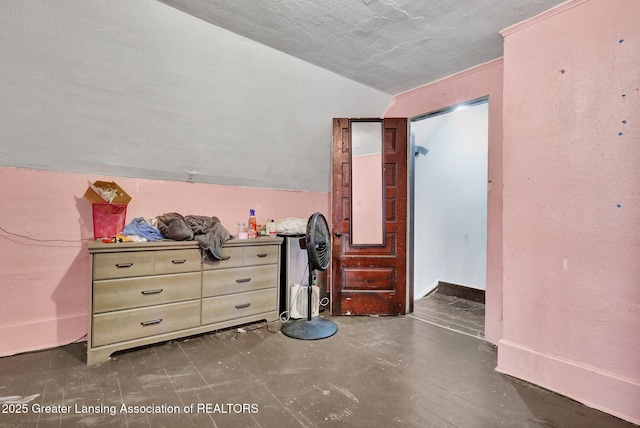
(411, 153)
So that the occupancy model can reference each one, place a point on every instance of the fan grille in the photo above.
(318, 242)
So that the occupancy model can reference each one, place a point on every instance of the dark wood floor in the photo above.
(375, 372)
(464, 316)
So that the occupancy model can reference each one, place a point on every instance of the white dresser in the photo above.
(143, 293)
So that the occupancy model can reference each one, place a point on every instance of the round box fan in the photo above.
(318, 245)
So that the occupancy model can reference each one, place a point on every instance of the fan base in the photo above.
(314, 329)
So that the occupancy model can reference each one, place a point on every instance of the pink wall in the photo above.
(45, 280)
(572, 204)
(477, 82)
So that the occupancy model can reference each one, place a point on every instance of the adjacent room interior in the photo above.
(520, 213)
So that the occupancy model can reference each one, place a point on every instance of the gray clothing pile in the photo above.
(208, 231)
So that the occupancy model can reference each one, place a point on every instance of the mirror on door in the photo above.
(367, 183)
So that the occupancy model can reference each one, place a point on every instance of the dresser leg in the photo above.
(97, 356)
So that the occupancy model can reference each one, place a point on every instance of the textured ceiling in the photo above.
(392, 46)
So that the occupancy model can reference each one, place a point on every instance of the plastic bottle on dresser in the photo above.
(272, 229)
(242, 231)
(253, 224)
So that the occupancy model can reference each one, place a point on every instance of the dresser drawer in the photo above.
(127, 293)
(232, 306)
(176, 261)
(261, 255)
(128, 264)
(237, 280)
(231, 257)
(122, 265)
(131, 324)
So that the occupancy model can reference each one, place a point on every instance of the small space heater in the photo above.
(298, 301)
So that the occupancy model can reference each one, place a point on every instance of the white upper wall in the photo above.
(450, 199)
(139, 89)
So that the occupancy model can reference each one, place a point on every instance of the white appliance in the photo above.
(295, 278)
(295, 261)
(298, 298)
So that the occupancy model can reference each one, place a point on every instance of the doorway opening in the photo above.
(449, 174)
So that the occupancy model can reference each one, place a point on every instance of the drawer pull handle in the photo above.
(244, 305)
(239, 281)
(226, 258)
(152, 322)
(262, 255)
(124, 265)
(147, 292)
(178, 262)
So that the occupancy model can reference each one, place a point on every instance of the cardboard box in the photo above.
(109, 209)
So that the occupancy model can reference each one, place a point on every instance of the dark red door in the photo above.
(370, 279)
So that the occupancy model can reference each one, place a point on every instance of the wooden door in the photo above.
(370, 280)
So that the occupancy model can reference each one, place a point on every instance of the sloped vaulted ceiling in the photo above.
(226, 92)
(392, 46)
